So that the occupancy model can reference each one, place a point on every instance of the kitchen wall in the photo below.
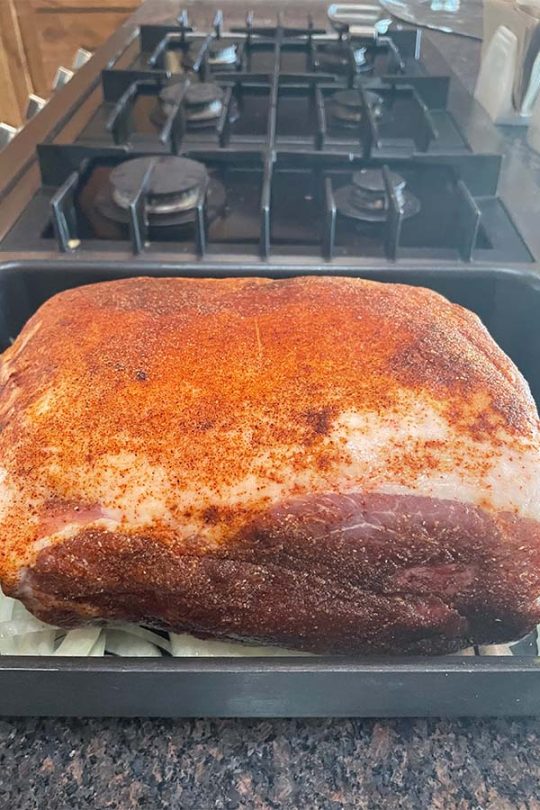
(36, 36)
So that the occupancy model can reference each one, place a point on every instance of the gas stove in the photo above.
(308, 144)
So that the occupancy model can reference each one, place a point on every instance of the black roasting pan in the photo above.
(508, 302)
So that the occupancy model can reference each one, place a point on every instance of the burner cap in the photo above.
(202, 93)
(348, 107)
(372, 181)
(174, 184)
(170, 175)
(203, 103)
(352, 98)
(366, 198)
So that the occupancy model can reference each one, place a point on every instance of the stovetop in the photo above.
(272, 143)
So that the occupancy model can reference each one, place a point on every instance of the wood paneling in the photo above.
(54, 29)
(15, 84)
(36, 36)
(30, 38)
(85, 5)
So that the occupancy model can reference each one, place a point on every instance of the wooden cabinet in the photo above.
(36, 36)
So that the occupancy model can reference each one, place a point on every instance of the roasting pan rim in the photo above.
(262, 687)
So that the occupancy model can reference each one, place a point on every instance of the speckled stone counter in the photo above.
(308, 764)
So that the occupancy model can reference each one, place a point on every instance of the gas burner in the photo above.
(173, 191)
(169, 97)
(335, 57)
(203, 103)
(222, 54)
(347, 106)
(366, 198)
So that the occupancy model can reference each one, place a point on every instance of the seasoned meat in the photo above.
(330, 464)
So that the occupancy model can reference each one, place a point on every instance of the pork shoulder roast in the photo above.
(327, 464)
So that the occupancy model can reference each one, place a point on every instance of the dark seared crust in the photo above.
(365, 573)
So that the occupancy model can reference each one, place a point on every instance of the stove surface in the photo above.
(276, 143)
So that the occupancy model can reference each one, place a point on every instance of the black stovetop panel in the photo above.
(292, 127)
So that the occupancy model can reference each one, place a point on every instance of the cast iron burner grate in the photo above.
(248, 49)
(169, 97)
(268, 205)
(366, 177)
(253, 70)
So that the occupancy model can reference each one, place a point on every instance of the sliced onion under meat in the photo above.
(184, 645)
(145, 635)
(78, 642)
(98, 650)
(121, 643)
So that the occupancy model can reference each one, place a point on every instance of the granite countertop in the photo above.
(307, 764)
(488, 764)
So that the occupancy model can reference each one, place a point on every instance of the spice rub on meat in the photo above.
(331, 464)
